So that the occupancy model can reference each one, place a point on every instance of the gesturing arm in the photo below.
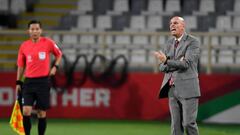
(191, 56)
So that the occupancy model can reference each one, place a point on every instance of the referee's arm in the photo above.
(56, 65)
(20, 71)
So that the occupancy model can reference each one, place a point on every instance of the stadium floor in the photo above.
(116, 127)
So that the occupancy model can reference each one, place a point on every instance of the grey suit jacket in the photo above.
(184, 72)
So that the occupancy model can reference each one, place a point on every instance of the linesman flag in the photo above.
(16, 121)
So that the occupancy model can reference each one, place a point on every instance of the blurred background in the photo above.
(109, 73)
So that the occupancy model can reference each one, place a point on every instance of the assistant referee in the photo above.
(34, 62)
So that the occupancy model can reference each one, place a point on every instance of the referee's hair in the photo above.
(34, 22)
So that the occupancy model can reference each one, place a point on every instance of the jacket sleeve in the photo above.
(163, 67)
(192, 55)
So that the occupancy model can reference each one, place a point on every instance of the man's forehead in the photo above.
(177, 18)
(34, 25)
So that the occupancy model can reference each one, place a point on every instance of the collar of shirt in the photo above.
(39, 39)
(179, 39)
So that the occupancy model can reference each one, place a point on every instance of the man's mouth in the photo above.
(173, 29)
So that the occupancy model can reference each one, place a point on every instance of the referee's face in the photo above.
(35, 31)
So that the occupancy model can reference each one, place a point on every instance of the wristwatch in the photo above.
(18, 82)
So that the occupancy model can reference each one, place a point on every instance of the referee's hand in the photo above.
(53, 71)
(18, 88)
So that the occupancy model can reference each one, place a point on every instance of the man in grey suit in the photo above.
(179, 61)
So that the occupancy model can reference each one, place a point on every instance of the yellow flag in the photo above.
(16, 121)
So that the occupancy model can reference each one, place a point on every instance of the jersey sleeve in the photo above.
(21, 57)
(55, 49)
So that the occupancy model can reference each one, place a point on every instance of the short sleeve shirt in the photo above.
(35, 57)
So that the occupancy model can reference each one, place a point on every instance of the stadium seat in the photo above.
(215, 42)
(138, 22)
(86, 51)
(4, 5)
(70, 53)
(238, 57)
(228, 41)
(121, 51)
(200, 39)
(236, 22)
(101, 6)
(68, 21)
(204, 57)
(56, 38)
(109, 39)
(69, 39)
(122, 39)
(205, 7)
(120, 42)
(119, 6)
(137, 6)
(140, 40)
(206, 22)
(138, 56)
(87, 39)
(189, 6)
(225, 57)
(17, 6)
(103, 22)
(154, 22)
(85, 5)
(223, 6)
(224, 23)
(85, 22)
(151, 58)
(154, 7)
(119, 22)
(191, 22)
(173, 6)
(236, 7)
(166, 20)
(161, 40)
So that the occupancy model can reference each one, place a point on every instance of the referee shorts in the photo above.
(36, 91)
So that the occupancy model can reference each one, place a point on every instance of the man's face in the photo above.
(177, 26)
(35, 31)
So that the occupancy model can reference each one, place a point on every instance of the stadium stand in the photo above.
(126, 21)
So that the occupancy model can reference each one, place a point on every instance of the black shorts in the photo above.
(36, 91)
